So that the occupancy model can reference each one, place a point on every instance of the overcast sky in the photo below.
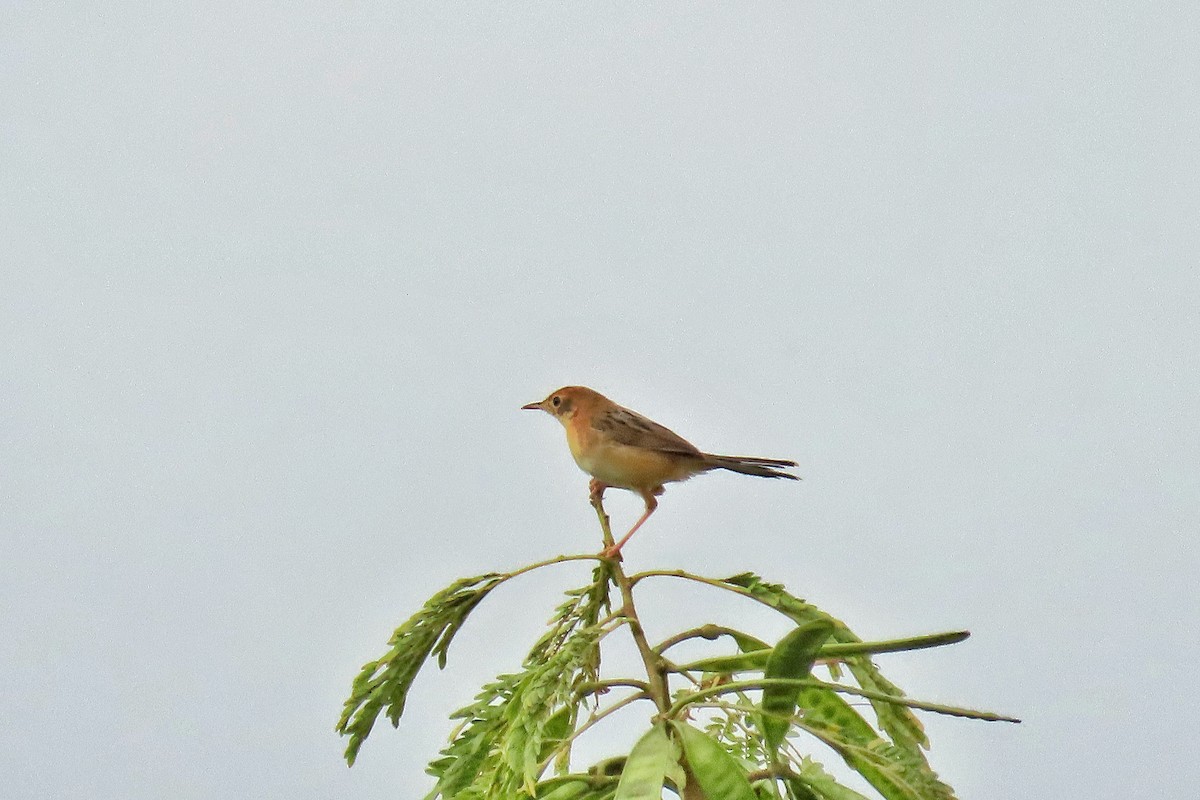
(276, 278)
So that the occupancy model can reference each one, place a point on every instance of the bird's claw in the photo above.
(612, 552)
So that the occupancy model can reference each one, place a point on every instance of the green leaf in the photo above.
(442, 648)
(557, 728)
(753, 661)
(572, 790)
(718, 774)
(582, 608)
(792, 658)
(747, 643)
(798, 790)
(646, 767)
(819, 783)
(576, 786)
(893, 645)
(756, 660)
(464, 758)
(515, 724)
(900, 723)
(894, 771)
(896, 768)
(535, 716)
(382, 685)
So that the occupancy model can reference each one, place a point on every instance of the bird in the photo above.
(622, 449)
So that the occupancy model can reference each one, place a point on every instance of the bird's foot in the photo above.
(613, 552)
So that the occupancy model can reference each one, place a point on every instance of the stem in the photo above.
(600, 687)
(678, 670)
(505, 576)
(708, 632)
(777, 771)
(805, 683)
(605, 527)
(617, 706)
(689, 576)
(656, 670)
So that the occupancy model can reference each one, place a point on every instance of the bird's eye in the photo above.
(556, 401)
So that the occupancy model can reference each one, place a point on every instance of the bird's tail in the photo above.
(750, 465)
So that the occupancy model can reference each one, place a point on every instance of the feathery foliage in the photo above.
(729, 726)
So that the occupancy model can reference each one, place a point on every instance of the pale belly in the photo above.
(631, 467)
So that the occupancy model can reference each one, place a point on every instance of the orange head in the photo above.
(563, 404)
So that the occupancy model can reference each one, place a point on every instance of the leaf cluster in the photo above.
(726, 727)
(382, 685)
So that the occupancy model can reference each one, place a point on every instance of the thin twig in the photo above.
(592, 720)
(562, 559)
(708, 632)
(600, 687)
(690, 576)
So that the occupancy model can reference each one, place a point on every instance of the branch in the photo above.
(655, 669)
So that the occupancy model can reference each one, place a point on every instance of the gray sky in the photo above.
(275, 279)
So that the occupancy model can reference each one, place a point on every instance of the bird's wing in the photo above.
(630, 428)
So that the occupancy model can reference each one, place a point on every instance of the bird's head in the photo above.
(563, 403)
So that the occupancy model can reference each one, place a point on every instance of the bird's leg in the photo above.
(651, 504)
(596, 491)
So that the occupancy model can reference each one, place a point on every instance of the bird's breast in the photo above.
(625, 466)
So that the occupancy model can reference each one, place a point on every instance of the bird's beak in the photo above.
(532, 407)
